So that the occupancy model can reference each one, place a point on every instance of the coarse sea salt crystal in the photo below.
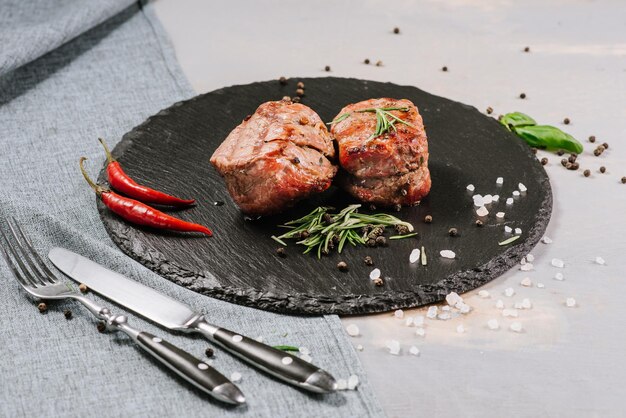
(409, 321)
(509, 201)
(557, 262)
(500, 215)
(516, 327)
(352, 330)
(530, 258)
(499, 304)
(526, 304)
(518, 231)
(394, 347)
(483, 294)
(479, 201)
(359, 347)
(508, 229)
(527, 267)
(420, 332)
(526, 282)
(342, 384)
(570, 302)
(306, 358)
(414, 350)
(559, 276)
(495, 197)
(399, 314)
(453, 298)
(470, 187)
(463, 307)
(509, 291)
(353, 382)
(487, 199)
(600, 260)
(460, 329)
(444, 316)
(516, 193)
(304, 350)
(540, 285)
(499, 180)
(482, 211)
(259, 338)
(521, 187)
(447, 254)
(415, 255)
(518, 305)
(445, 308)
(546, 240)
(418, 321)
(493, 324)
(432, 312)
(235, 377)
(510, 313)
(374, 274)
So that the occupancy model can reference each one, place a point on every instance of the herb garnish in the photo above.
(322, 231)
(540, 136)
(384, 119)
(286, 347)
(510, 240)
(403, 236)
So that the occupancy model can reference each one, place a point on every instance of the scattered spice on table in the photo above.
(101, 327)
(586, 173)
(67, 314)
(564, 162)
(139, 213)
(560, 152)
(527, 49)
(605, 145)
(623, 180)
(544, 161)
(42, 307)
(522, 95)
(444, 68)
(602, 169)
(366, 61)
(342, 266)
(281, 252)
(327, 68)
(566, 121)
(368, 260)
(300, 85)
(592, 138)
(453, 232)
(379, 63)
(396, 30)
(209, 352)
(283, 81)
(489, 110)
(300, 92)
(479, 223)
(122, 182)
(295, 99)
(379, 281)
(428, 219)
(83, 288)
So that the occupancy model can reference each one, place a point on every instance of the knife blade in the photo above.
(174, 315)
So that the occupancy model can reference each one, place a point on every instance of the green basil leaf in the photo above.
(515, 119)
(545, 136)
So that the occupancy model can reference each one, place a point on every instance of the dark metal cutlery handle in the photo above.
(278, 363)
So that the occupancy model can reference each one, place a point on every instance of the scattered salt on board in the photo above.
(414, 350)
(399, 314)
(415, 255)
(447, 254)
(352, 330)
(483, 294)
(493, 324)
(482, 211)
(509, 291)
(374, 274)
(557, 262)
(526, 282)
(570, 302)
(516, 327)
(470, 187)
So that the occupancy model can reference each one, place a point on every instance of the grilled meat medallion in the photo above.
(388, 169)
(276, 157)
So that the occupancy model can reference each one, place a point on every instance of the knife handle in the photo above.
(278, 363)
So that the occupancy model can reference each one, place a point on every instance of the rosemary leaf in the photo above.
(424, 259)
(339, 119)
(278, 240)
(286, 347)
(510, 240)
(403, 236)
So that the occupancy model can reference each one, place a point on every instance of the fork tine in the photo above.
(35, 261)
(24, 279)
(20, 255)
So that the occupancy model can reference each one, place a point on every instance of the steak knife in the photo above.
(177, 316)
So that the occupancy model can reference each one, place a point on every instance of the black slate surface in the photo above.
(171, 151)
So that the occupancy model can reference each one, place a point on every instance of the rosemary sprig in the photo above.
(384, 119)
(286, 347)
(321, 231)
(403, 236)
(508, 241)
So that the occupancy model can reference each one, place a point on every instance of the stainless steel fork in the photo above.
(37, 279)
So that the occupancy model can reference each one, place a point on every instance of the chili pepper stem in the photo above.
(110, 158)
(98, 189)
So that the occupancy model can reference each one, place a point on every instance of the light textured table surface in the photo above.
(568, 361)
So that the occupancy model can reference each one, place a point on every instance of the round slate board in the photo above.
(171, 151)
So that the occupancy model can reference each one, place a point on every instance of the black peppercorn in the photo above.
(304, 234)
(366, 61)
(300, 85)
(489, 110)
(602, 169)
(342, 266)
(592, 138)
(379, 63)
(300, 92)
(281, 252)
(371, 242)
(560, 152)
(379, 281)
(42, 307)
(247, 118)
(597, 152)
(586, 173)
(572, 158)
(533, 150)
(605, 145)
(83, 288)
(479, 223)
(327, 218)
(575, 166)
(428, 219)
(568, 165)
(453, 232)
(209, 352)
(396, 30)
(283, 81)
(327, 68)
(566, 121)
(397, 206)
(295, 99)
(101, 327)
(522, 95)
(381, 241)
(67, 314)
(544, 161)
(444, 68)
(401, 229)
(624, 180)
(564, 162)
(368, 261)
(527, 49)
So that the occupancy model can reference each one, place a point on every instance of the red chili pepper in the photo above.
(121, 182)
(140, 213)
